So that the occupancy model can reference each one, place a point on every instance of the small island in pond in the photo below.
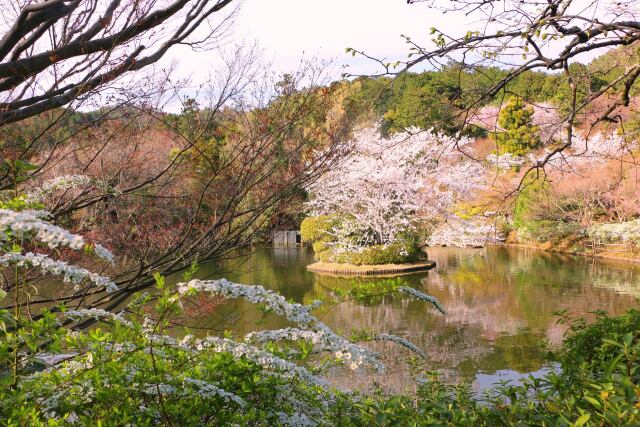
(370, 270)
(357, 252)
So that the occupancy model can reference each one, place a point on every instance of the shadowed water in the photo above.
(500, 303)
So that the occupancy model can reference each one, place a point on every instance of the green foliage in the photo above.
(425, 101)
(596, 386)
(395, 253)
(321, 232)
(368, 291)
(546, 230)
(589, 343)
(316, 230)
(519, 134)
(525, 213)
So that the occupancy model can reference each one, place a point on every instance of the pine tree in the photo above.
(519, 135)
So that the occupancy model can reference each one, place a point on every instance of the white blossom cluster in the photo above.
(403, 342)
(61, 183)
(616, 232)
(291, 334)
(156, 389)
(422, 296)
(320, 340)
(458, 232)
(505, 161)
(203, 388)
(98, 314)
(294, 312)
(21, 224)
(32, 223)
(207, 390)
(263, 358)
(103, 253)
(70, 273)
(298, 313)
(297, 419)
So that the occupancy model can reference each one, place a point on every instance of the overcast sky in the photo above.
(287, 30)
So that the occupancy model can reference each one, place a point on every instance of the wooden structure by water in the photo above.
(286, 239)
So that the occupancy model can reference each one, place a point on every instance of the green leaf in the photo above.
(22, 166)
(582, 420)
(593, 401)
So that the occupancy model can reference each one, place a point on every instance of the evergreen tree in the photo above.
(518, 135)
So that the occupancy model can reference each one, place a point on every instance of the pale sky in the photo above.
(287, 30)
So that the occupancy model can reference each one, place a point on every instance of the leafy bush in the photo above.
(395, 253)
(590, 342)
(328, 234)
(316, 230)
(545, 230)
(519, 134)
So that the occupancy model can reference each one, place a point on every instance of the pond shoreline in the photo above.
(558, 250)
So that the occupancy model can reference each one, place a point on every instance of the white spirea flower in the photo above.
(103, 253)
(155, 389)
(422, 296)
(66, 182)
(297, 419)
(263, 358)
(292, 334)
(98, 314)
(294, 312)
(207, 389)
(403, 342)
(24, 223)
(70, 273)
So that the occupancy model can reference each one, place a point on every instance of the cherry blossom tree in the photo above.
(387, 186)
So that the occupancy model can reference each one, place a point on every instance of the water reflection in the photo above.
(500, 304)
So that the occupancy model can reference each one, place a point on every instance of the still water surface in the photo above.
(499, 301)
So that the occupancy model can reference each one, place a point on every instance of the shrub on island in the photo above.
(327, 236)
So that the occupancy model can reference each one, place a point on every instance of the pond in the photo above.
(499, 301)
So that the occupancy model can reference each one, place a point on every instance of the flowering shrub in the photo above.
(395, 253)
(339, 240)
(613, 233)
(54, 374)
